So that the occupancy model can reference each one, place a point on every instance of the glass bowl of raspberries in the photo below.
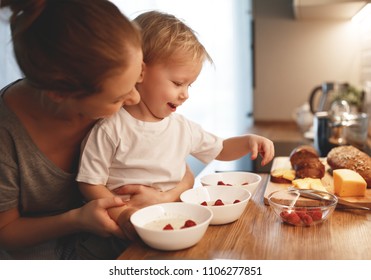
(171, 226)
(301, 207)
(227, 204)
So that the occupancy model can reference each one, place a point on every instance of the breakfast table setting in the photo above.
(260, 231)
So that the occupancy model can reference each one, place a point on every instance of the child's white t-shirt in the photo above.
(122, 150)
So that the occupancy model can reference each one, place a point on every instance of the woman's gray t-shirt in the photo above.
(28, 180)
(37, 187)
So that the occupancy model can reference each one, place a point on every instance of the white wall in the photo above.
(293, 56)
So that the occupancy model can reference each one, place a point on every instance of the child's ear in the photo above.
(142, 72)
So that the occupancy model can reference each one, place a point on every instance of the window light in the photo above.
(362, 15)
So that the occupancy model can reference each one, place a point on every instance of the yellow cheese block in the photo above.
(348, 183)
(309, 184)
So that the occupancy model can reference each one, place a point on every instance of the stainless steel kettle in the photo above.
(322, 96)
(339, 126)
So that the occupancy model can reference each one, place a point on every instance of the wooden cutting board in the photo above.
(327, 181)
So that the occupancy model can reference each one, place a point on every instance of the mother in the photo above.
(81, 60)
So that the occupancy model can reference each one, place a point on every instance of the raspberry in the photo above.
(307, 219)
(218, 202)
(236, 201)
(168, 227)
(204, 203)
(221, 183)
(189, 223)
(301, 212)
(293, 218)
(284, 215)
(316, 214)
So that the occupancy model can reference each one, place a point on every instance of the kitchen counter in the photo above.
(260, 235)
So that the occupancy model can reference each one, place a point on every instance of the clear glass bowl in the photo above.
(295, 208)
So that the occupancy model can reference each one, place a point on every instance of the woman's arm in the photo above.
(19, 232)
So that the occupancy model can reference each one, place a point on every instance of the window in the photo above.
(221, 98)
(9, 70)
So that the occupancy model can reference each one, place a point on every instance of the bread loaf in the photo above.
(349, 157)
(306, 163)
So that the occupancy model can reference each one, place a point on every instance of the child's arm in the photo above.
(237, 147)
(142, 196)
(186, 183)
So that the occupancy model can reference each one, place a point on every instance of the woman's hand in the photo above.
(93, 217)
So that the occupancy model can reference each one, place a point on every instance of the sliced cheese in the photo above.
(309, 183)
(316, 184)
(348, 183)
(301, 183)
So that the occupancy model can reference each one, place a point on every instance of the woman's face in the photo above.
(118, 90)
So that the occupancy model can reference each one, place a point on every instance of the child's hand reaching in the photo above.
(263, 146)
(237, 147)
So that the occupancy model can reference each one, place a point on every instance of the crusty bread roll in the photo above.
(349, 157)
(306, 163)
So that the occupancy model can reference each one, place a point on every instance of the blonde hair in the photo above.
(70, 46)
(164, 35)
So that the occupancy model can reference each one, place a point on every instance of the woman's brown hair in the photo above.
(70, 46)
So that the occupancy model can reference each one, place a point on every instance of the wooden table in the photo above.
(260, 235)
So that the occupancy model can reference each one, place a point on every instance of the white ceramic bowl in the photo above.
(150, 221)
(222, 214)
(247, 180)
